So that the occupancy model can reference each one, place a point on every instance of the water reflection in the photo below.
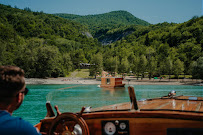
(115, 91)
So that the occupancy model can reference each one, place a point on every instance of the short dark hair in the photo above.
(11, 81)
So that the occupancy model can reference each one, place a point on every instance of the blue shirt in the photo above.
(15, 126)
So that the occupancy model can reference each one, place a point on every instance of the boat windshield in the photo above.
(71, 98)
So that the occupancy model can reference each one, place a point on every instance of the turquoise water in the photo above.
(71, 98)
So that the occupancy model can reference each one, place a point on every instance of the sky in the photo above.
(152, 11)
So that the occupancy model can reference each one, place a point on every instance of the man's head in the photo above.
(12, 86)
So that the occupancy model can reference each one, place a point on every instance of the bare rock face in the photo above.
(108, 39)
(87, 34)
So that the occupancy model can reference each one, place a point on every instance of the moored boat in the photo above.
(167, 115)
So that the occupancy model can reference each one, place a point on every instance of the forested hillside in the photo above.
(159, 49)
(101, 26)
(45, 45)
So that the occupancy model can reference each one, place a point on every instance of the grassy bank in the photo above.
(80, 73)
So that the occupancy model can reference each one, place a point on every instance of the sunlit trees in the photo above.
(48, 62)
(135, 67)
(197, 68)
(111, 64)
(152, 66)
(178, 68)
(169, 66)
(66, 63)
(96, 64)
(124, 66)
(142, 65)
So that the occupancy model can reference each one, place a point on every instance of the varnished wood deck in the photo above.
(180, 103)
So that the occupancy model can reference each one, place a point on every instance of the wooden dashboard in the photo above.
(138, 123)
(144, 123)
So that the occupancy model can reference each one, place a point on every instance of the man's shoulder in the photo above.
(16, 125)
(8, 120)
(25, 127)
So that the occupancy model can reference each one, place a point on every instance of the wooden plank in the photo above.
(173, 105)
(180, 105)
(198, 106)
(155, 104)
(201, 108)
(163, 105)
(191, 105)
(184, 105)
(143, 103)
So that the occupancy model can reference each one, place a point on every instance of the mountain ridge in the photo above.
(102, 25)
(118, 13)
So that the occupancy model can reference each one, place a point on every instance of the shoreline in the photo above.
(127, 81)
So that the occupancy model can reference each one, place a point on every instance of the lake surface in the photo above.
(71, 98)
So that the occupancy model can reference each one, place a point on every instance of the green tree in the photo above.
(97, 64)
(193, 69)
(152, 66)
(124, 66)
(67, 63)
(178, 68)
(135, 67)
(111, 64)
(169, 66)
(142, 65)
(48, 62)
(197, 68)
(162, 67)
(79, 57)
(131, 59)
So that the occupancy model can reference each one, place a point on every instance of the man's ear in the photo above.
(19, 97)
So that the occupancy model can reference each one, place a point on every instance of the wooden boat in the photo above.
(167, 115)
(111, 82)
